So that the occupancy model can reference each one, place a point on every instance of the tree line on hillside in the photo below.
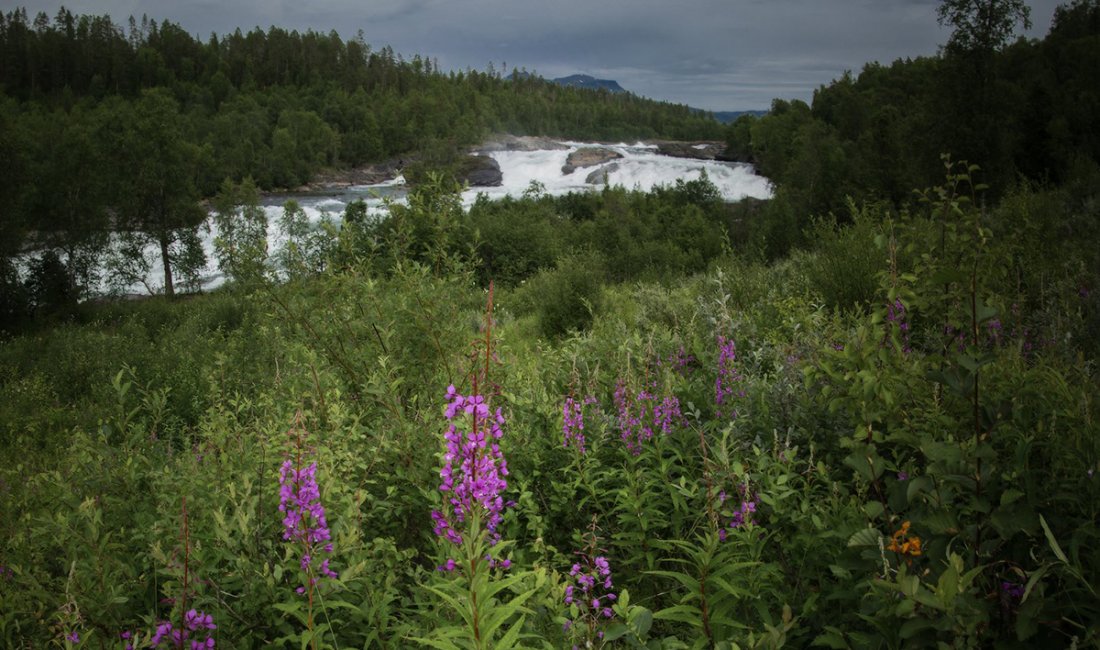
(1023, 111)
(105, 129)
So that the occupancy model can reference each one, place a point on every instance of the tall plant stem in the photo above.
(186, 534)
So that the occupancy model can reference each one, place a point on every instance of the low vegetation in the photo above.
(610, 419)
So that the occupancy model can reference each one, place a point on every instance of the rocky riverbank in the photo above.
(478, 169)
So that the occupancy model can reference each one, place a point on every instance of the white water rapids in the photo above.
(640, 167)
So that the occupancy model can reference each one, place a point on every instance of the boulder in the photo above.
(480, 171)
(693, 150)
(599, 176)
(588, 157)
(340, 179)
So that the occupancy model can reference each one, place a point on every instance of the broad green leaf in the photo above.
(615, 631)
(642, 620)
(865, 537)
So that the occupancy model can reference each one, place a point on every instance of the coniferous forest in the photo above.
(858, 414)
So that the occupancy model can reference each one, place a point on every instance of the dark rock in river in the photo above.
(588, 157)
(599, 176)
(480, 171)
(694, 150)
(339, 179)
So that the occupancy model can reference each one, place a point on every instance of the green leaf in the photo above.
(865, 537)
(984, 312)
(509, 639)
(615, 631)
(831, 638)
(689, 583)
(459, 607)
(294, 609)
(912, 627)
(730, 589)
(642, 621)
(1053, 542)
(681, 613)
(917, 486)
(442, 644)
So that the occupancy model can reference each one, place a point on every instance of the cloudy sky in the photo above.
(712, 54)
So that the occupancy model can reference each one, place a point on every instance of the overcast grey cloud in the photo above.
(713, 54)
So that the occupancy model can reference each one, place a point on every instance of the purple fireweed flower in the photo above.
(196, 624)
(903, 476)
(1012, 590)
(897, 315)
(728, 378)
(682, 362)
(590, 591)
(572, 427)
(741, 515)
(73, 637)
(473, 467)
(304, 517)
(642, 415)
(494, 563)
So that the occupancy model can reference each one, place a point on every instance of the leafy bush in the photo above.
(567, 297)
(846, 261)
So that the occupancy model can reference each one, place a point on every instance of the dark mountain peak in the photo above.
(590, 82)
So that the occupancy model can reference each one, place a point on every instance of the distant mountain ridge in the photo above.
(726, 117)
(589, 82)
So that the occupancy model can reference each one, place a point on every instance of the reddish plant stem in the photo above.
(186, 569)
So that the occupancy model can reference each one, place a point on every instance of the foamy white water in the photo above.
(640, 168)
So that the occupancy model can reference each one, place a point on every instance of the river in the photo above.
(641, 167)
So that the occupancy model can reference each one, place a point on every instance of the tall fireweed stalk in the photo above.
(727, 383)
(304, 521)
(473, 479)
(194, 630)
(572, 427)
(589, 595)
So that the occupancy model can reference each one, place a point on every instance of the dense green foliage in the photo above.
(1024, 110)
(883, 439)
(924, 376)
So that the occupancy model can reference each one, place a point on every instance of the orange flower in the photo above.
(904, 544)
